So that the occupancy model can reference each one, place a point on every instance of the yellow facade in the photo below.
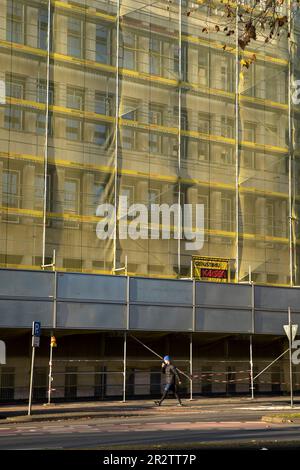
(140, 102)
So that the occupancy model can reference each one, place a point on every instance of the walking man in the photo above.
(171, 377)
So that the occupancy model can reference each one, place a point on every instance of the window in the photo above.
(75, 98)
(203, 150)
(99, 188)
(39, 192)
(226, 216)
(14, 115)
(10, 181)
(129, 50)
(226, 156)
(74, 129)
(15, 86)
(249, 132)
(130, 108)
(156, 56)
(41, 124)
(184, 119)
(102, 44)
(42, 92)
(227, 127)
(156, 112)
(100, 134)
(75, 36)
(71, 200)
(155, 142)
(184, 146)
(155, 138)
(43, 29)
(15, 21)
(248, 159)
(103, 104)
(204, 123)
(203, 66)
(184, 61)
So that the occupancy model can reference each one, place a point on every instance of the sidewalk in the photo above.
(110, 409)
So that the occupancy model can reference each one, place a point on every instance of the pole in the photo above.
(124, 368)
(46, 134)
(251, 369)
(31, 380)
(50, 371)
(191, 366)
(237, 266)
(290, 354)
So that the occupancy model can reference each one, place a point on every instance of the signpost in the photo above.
(36, 333)
(291, 331)
(2, 353)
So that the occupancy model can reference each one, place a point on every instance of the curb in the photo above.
(91, 415)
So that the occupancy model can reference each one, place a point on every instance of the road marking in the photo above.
(258, 408)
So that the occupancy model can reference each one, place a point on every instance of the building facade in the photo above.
(101, 99)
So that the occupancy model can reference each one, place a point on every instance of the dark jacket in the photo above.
(171, 373)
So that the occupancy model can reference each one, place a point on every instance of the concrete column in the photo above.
(143, 55)
(141, 195)
(192, 195)
(2, 98)
(28, 186)
(216, 210)
(260, 216)
(90, 41)
(59, 190)
(61, 36)
(88, 180)
(3, 20)
(32, 26)
(167, 69)
(30, 117)
(192, 65)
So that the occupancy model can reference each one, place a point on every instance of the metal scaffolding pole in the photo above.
(237, 143)
(251, 368)
(46, 134)
(124, 366)
(116, 139)
(179, 221)
(290, 357)
(290, 145)
(191, 366)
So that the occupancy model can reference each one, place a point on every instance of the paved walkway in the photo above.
(106, 409)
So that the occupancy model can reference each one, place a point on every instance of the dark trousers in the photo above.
(170, 388)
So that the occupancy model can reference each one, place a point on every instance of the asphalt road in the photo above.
(232, 425)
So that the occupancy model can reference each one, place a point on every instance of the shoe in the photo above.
(157, 403)
(180, 404)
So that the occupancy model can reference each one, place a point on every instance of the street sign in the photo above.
(35, 341)
(294, 329)
(2, 353)
(36, 328)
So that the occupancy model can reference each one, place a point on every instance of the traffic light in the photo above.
(53, 342)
